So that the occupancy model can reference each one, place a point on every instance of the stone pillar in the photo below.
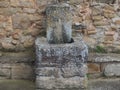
(59, 23)
(61, 66)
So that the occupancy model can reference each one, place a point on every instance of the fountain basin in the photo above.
(60, 66)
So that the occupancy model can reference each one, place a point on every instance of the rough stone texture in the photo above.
(101, 65)
(112, 70)
(17, 65)
(93, 68)
(60, 83)
(59, 24)
(104, 58)
(61, 65)
(27, 17)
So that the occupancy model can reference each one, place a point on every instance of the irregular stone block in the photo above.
(4, 3)
(112, 70)
(21, 21)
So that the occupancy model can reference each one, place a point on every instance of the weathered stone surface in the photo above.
(93, 68)
(104, 58)
(19, 57)
(4, 3)
(22, 71)
(22, 3)
(112, 70)
(60, 83)
(5, 73)
(21, 21)
(59, 24)
(48, 71)
(71, 70)
(76, 49)
(29, 10)
(61, 65)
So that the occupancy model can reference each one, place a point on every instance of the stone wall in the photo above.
(17, 65)
(22, 20)
(99, 23)
(104, 65)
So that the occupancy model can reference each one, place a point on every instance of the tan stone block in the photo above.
(108, 11)
(89, 41)
(91, 32)
(2, 35)
(107, 15)
(113, 28)
(5, 11)
(21, 21)
(117, 22)
(4, 3)
(96, 11)
(29, 10)
(97, 17)
(109, 7)
(108, 42)
(28, 41)
(7, 46)
(93, 68)
(110, 33)
(16, 36)
(22, 71)
(109, 38)
(22, 3)
(15, 42)
(77, 19)
(100, 23)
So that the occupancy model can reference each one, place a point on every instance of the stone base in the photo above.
(61, 83)
(61, 66)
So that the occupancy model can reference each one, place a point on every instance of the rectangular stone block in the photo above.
(111, 70)
(93, 68)
(22, 71)
(22, 3)
(60, 83)
(5, 73)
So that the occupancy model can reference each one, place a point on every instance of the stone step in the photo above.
(96, 84)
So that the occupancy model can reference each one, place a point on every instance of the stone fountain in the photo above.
(61, 59)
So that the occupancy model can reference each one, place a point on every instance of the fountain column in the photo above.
(61, 63)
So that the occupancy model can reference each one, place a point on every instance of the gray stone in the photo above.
(71, 70)
(104, 57)
(5, 73)
(104, 84)
(112, 70)
(61, 65)
(59, 24)
(60, 83)
(48, 71)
